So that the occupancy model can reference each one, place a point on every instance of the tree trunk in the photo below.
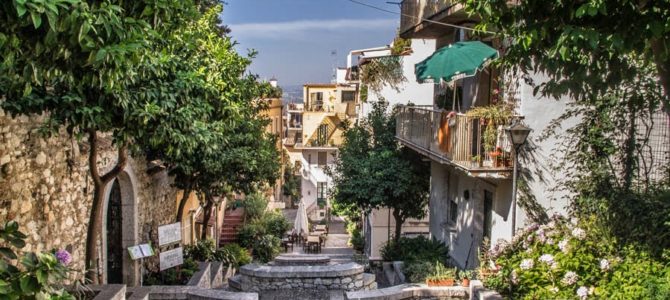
(399, 221)
(662, 59)
(95, 219)
(206, 217)
(182, 203)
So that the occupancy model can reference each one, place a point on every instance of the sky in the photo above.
(295, 38)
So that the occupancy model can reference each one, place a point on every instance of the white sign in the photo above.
(140, 251)
(168, 234)
(171, 258)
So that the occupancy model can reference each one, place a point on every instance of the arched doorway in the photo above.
(114, 235)
(120, 231)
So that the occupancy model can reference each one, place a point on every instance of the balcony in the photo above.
(414, 11)
(458, 141)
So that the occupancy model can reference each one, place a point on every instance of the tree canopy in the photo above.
(373, 171)
(155, 74)
(587, 48)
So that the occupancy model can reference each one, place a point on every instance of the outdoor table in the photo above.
(314, 241)
(321, 228)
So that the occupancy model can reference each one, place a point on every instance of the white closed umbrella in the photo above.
(301, 224)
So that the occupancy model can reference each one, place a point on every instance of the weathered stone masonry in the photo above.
(46, 187)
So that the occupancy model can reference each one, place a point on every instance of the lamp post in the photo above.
(517, 134)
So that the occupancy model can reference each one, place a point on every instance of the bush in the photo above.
(173, 276)
(255, 206)
(572, 260)
(415, 249)
(236, 255)
(275, 224)
(248, 233)
(203, 250)
(39, 274)
(266, 248)
(356, 239)
(417, 271)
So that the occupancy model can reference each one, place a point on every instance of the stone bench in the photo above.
(301, 260)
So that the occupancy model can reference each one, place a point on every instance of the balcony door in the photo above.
(322, 159)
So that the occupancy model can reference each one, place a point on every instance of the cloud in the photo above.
(292, 28)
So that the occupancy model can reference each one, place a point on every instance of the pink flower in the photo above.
(63, 257)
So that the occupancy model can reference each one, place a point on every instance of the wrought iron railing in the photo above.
(454, 138)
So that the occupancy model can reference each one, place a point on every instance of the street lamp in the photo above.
(517, 134)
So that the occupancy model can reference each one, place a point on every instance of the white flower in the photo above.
(526, 264)
(563, 245)
(574, 220)
(554, 289)
(579, 233)
(515, 278)
(604, 264)
(547, 259)
(570, 278)
(582, 292)
(550, 241)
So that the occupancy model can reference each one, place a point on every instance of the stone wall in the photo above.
(346, 277)
(46, 187)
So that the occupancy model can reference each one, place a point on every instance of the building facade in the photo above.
(471, 164)
(312, 136)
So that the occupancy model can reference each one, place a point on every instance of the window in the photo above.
(322, 135)
(322, 159)
(309, 158)
(348, 96)
(453, 211)
(322, 214)
(321, 190)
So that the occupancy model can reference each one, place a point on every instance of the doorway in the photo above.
(114, 235)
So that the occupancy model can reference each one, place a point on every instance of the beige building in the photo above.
(313, 133)
(274, 114)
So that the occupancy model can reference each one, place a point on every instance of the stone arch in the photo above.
(127, 183)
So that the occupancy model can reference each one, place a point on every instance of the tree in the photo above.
(374, 171)
(587, 48)
(129, 68)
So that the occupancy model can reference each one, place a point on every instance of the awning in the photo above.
(455, 61)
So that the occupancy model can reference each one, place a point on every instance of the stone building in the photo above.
(47, 189)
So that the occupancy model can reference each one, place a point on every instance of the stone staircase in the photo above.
(232, 222)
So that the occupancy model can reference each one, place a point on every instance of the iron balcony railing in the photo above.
(414, 11)
(456, 139)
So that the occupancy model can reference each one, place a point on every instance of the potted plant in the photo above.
(465, 276)
(496, 157)
(474, 161)
(491, 117)
(441, 276)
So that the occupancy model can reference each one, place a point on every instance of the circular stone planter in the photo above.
(344, 277)
(301, 260)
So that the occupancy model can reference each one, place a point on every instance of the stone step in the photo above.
(234, 283)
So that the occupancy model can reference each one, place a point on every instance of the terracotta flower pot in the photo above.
(465, 282)
(447, 282)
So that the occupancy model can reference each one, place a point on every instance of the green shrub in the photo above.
(39, 274)
(266, 248)
(255, 206)
(275, 224)
(173, 276)
(572, 260)
(237, 256)
(415, 249)
(417, 271)
(203, 250)
(249, 232)
(356, 238)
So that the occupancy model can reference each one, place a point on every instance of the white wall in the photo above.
(411, 90)
(539, 112)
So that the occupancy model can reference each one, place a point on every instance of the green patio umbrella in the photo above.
(455, 61)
